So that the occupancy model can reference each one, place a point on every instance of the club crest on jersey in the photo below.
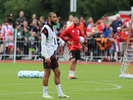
(72, 30)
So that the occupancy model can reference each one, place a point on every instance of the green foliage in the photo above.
(86, 8)
(14, 7)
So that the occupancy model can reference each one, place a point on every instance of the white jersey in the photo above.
(49, 44)
(11, 43)
(5, 29)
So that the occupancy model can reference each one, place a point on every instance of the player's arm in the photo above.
(66, 33)
(2, 32)
(44, 35)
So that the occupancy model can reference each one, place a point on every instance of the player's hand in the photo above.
(86, 49)
(48, 60)
(71, 43)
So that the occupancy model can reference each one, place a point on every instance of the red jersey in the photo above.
(126, 20)
(119, 36)
(100, 27)
(89, 29)
(73, 34)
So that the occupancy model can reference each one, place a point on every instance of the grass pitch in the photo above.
(96, 82)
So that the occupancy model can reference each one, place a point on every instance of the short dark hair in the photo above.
(50, 13)
(81, 16)
(124, 27)
(105, 15)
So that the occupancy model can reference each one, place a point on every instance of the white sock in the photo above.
(59, 89)
(71, 73)
(45, 90)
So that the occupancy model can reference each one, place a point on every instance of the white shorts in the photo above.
(122, 46)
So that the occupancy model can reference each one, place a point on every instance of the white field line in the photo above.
(93, 82)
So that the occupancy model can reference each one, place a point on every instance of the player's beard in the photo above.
(76, 24)
(53, 23)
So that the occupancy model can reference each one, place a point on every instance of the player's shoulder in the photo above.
(78, 28)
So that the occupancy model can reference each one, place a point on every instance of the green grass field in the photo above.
(96, 82)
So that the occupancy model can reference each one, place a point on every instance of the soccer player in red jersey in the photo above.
(73, 33)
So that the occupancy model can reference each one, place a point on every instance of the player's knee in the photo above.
(58, 74)
(73, 60)
(47, 74)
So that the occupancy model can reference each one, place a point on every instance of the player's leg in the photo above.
(75, 61)
(47, 72)
(72, 67)
(11, 52)
(57, 83)
(57, 80)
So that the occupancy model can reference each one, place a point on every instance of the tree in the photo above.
(14, 7)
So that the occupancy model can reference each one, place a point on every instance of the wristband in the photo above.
(66, 40)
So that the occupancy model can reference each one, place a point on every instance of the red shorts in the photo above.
(10, 47)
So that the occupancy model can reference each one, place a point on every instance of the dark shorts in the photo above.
(75, 54)
(53, 64)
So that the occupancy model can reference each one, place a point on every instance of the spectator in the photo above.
(127, 20)
(64, 26)
(39, 37)
(101, 42)
(60, 42)
(89, 29)
(11, 24)
(25, 24)
(128, 24)
(35, 28)
(4, 32)
(125, 33)
(96, 33)
(119, 42)
(112, 47)
(101, 26)
(18, 32)
(21, 19)
(124, 37)
(10, 44)
(90, 45)
(32, 44)
(42, 20)
(70, 20)
(116, 23)
(90, 19)
(107, 20)
(33, 21)
(82, 24)
(59, 24)
(10, 20)
(107, 31)
(1, 42)
(25, 36)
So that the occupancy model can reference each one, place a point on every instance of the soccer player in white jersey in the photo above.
(49, 45)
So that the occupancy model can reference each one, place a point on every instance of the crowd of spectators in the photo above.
(104, 38)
